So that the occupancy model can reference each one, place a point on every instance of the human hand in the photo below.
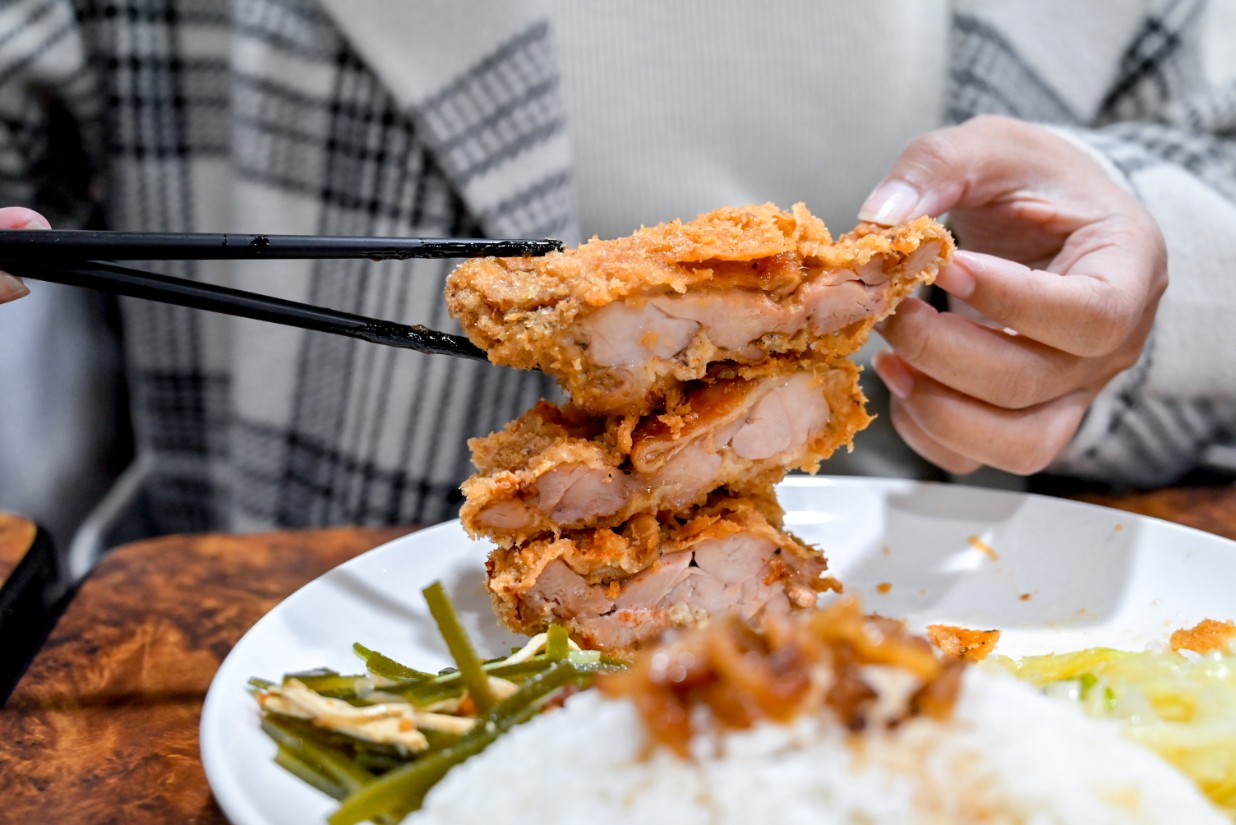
(17, 217)
(1067, 268)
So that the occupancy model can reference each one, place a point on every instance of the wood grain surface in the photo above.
(104, 726)
(16, 534)
(1212, 509)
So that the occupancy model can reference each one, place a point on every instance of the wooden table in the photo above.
(104, 726)
(16, 534)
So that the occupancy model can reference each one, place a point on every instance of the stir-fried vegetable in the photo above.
(460, 646)
(1182, 705)
(379, 741)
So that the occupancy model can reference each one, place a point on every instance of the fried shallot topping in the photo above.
(741, 672)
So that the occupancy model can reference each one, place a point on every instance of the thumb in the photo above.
(959, 167)
(19, 217)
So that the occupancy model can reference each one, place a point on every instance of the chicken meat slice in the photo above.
(619, 323)
(556, 469)
(617, 588)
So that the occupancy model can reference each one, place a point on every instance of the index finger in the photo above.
(11, 288)
(977, 163)
(1084, 312)
(17, 217)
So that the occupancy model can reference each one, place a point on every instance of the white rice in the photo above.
(1009, 755)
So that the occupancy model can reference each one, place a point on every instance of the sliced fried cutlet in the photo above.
(616, 588)
(620, 322)
(557, 469)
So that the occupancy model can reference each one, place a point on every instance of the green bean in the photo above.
(332, 684)
(338, 766)
(346, 745)
(379, 763)
(310, 773)
(403, 790)
(518, 670)
(428, 688)
(501, 669)
(386, 667)
(384, 782)
(535, 690)
(318, 778)
(439, 739)
(450, 686)
(460, 646)
(590, 658)
(557, 643)
(426, 693)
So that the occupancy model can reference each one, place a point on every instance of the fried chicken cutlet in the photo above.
(617, 588)
(619, 323)
(556, 468)
(703, 359)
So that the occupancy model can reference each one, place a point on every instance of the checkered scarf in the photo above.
(1142, 105)
(350, 117)
(262, 116)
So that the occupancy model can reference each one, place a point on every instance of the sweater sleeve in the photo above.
(1154, 422)
(1171, 139)
(1125, 81)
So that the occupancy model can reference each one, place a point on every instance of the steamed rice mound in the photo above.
(1007, 755)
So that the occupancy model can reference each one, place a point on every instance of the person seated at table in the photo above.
(1078, 152)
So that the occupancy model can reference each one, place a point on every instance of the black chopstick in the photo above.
(135, 283)
(87, 245)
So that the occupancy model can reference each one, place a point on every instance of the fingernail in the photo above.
(21, 217)
(36, 222)
(893, 201)
(957, 279)
(11, 288)
(892, 371)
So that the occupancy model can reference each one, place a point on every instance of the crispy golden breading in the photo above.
(963, 642)
(703, 359)
(1207, 636)
(557, 469)
(616, 588)
(621, 322)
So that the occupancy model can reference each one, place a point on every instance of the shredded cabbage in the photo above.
(1182, 705)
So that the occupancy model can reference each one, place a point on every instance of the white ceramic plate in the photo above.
(1053, 575)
